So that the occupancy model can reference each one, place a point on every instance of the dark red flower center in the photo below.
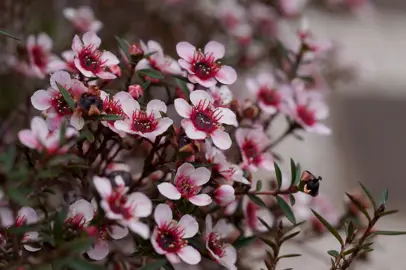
(252, 214)
(204, 66)
(216, 245)
(251, 152)
(269, 97)
(186, 187)
(78, 221)
(40, 57)
(60, 105)
(204, 117)
(112, 107)
(90, 59)
(307, 116)
(117, 203)
(170, 239)
(144, 122)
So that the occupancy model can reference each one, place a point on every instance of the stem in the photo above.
(290, 190)
(292, 127)
(132, 71)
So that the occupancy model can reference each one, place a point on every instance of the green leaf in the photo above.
(257, 200)
(59, 223)
(389, 233)
(278, 174)
(289, 256)
(290, 236)
(86, 134)
(292, 171)
(148, 54)
(18, 195)
(292, 199)
(7, 34)
(109, 117)
(243, 241)
(151, 73)
(384, 198)
(183, 87)
(66, 96)
(350, 229)
(145, 85)
(154, 265)
(271, 244)
(82, 264)
(62, 133)
(78, 245)
(22, 229)
(333, 253)
(287, 211)
(185, 79)
(124, 46)
(359, 205)
(369, 195)
(9, 158)
(329, 227)
(389, 212)
(259, 185)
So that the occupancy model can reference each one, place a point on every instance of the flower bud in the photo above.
(116, 70)
(136, 91)
(136, 51)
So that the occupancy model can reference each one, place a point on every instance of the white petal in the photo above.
(99, 251)
(163, 125)
(39, 128)
(201, 200)
(139, 228)
(189, 226)
(154, 46)
(172, 258)
(200, 176)
(143, 64)
(252, 86)
(105, 75)
(29, 213)
(82, 207)
(122, 96)
(6, 217)
(123, 126)
(190, 255)
(141, 203)
(228, 117)
(117, 232)
(102, 185)
(44, 41)
(91, 38)
(191, 130)
(61, 77)
(221, 139)
(226, 75)
(155, 106)
(200, 96)
(129, 106)
(230, 256)
(169, 191)
(266, 80)
(77, 121)
(162, 214)
(185, 169)
(215, 48)
(41, 100)
(182, 107)
(185, 50)
(320, 129)
(77, 44)
(109, 59)
(210, 82)
(27, 138)
(69, 13)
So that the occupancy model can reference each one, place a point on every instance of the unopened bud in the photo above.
(135, 91)
(136, 51)
(116, 70)
(250, 112)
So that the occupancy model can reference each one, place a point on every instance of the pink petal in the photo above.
(221, 139)
(105, 75)
(129, 106)
(82, 207)
(200, 176)
(252, 86)
(172, 258)
(190, 255)
(210, 82)
(31, 41)
(117, 232)
(185, 65)
(162, 214)
(141, 203)
(226, 75)
(54, 121)
(29, 214)
(320, 129)
(188, 225)
(68, 55)
(96, 26)
(77, 88)
(27, 138)
(41, 100)
(230, 257)
(182, 107)
(82, 70)
(77, 44)
(266, 80)
(102, 185)
(156, 106)
(200, 96)
(55, 64)
(201, 200)
(185, 169)
(240, 136)
(169, 191)
(163, 125)
(143, 64)
(122, 96)
(77, 122)
(139, 228)
(224, 195)
(91, 38)
(69, 13)
(61, 77)
(269, 109)
(154, 46)
(109, 59)
(191, 130)
(39, 128)
(44, 41)
(228, 117)
(124, 126)
(267, 162)
(185, 50)
(215, 48)
(99, 251)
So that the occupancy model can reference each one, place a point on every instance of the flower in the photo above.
(307, 109)
(53, 103)
(123, 207)
(222, 96)
(89, 60)
(188, 183)
(253, 144)
(203, 119)
(43, 140)
(205, 67)
(252, 212)
(27, 216)
(69, 57)
(292, 8)
(268, 95)
(113, 106)
(146, 123)
(224, 195)
(83, 19)
(169, 236)
(157, 59)
(136, 91)
(221, 251)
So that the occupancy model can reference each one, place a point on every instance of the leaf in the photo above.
(278, 174)
(271, 244)
(145, 85)
(333, 253)
(292, 171)
(384, 198)
(151, 73)
(289, 256)
(350, 229)
(183, 87)
(148, 54)
(66, 96)
(59, 223)
(62, 133)
(287, 211)
(369, 195)
(388, 233)
(109, 117)
(290, 236)
(22, 229)
(265, 224)
(259, 185)
(78, 245)
(18, 195)
(389, 212)
(298, 174)
(154, 265)
(243, 241)
(7, 34)
(86, 134)
(329, 227)
(257, 200)
(82, 264)
(124, 46)
(359, 205)
(292, 199)
(185, 79)
(10, 157)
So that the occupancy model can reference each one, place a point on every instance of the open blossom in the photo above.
(83, 19)
(69, 57)
(224, 195)
(39, 137)
(89, 60)
(146, 123)
(157, 59)
(221, 251)
(270, 96)
(205, 67)
(307, 109)
(125, 208)
(188, 183)
(169, 236)
(203, 119)
(53, 103)
(253, 144)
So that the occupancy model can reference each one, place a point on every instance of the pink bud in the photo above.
(136, 50)
(115, 69)
(224, 195)
(92, 231)
(135, 91)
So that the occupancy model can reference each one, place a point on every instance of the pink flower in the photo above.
(169, 236)
(307, 109)
(148, 124)
(69, 57)
(43, 140)
(230, 13)
(205, 67)
(222, 96)
(188, 183)
(203, 119)
(113, 106)
(83, 19)
(269, 96)
(53, 103)
(89, 60)
(136, 91)
(221, 251)
(224, 195)
(292, 8)
(125, 208)
(157, 60)
(252, 143)
(252, 212)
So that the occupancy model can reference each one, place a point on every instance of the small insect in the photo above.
(311, 183)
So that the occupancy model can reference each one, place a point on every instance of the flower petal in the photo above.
(102, 185)
(162, 214)
(156, 106)
(29, 214)
(117, 232)
(188, 225)
(61, 77)
(91, 38)
(27, 138)
(190, 255)
(99, 251)
(77, 44)
(185, 169)
(185, 50)
(141, 203)
(105, 75)
(129, 106)
(139, 228)
(226, 75)
(123, 126)
(230, 257)
(172, 258)
(109, 59)
(154, 243)
(77, 122)
(221, 139)
(215, 48)
(169, 191)
(41, 100)
(39, 129)
(227, 117)
(82, 70)
(209, 82)
(200, 176)
(224, 195)
(163, 125)
(82, 207)
(182, 107)
(44, 41)
(199, 96)
(201, 200)
(191, 130)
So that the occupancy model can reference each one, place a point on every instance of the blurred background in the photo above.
(367, 99)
